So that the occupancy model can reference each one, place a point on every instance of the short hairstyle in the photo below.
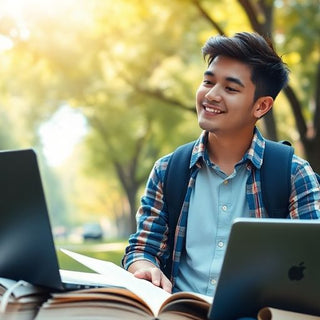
(268, 72)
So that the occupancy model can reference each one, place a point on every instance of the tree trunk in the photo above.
(270, 125)
(132, 195)
(312, 150)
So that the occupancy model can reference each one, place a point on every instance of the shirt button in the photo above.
(225, 182)
(213, 282)
(220, 244)
(224, 208)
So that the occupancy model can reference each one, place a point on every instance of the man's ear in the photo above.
(262, 106)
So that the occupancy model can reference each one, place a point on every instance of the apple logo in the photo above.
(296, 272)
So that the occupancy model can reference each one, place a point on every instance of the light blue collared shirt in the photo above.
(215, 201)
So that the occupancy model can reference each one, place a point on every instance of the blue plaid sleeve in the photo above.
(150, 240)
(305, 193)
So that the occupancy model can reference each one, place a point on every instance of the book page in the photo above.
(92, 279)
(152, 295)
(277, 314)
(190, 295)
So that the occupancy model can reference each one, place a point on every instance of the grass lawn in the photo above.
(100, 250)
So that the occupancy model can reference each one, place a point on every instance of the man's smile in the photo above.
(211, 109)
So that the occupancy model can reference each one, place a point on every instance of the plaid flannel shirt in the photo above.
(150, 240)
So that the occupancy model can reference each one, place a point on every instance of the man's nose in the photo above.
(214, 94)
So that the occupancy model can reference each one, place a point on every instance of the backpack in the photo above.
(276, 187)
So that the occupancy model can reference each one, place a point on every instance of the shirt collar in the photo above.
(256, 150)
(254, 153)
(197, 155)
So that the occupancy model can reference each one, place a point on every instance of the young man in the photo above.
(243, 78)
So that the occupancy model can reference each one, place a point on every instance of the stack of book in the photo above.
(20, 300)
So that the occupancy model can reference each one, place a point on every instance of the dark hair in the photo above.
(268, 72)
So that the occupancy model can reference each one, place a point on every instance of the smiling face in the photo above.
(225, 98)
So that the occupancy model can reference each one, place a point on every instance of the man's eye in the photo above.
(207, 82)
(232, 89)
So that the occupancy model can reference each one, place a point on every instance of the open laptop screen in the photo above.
(27, 249)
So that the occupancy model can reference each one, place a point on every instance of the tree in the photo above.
(303, 41)
(121, 142)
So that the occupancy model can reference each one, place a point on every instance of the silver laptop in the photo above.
(269, 263)
(27, 250)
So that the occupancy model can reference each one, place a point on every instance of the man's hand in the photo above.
(144, 269)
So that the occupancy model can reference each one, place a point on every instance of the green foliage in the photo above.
(300, 42)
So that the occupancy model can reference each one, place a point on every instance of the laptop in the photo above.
(27, 250)
(269, 263)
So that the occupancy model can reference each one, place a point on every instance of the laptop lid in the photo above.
(27, 249)
(269, 263)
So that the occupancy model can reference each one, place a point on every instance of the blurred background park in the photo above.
(102, 88)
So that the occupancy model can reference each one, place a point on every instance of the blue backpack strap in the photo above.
(175, 186)
(276, 178)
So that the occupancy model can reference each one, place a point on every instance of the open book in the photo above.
(126, 297)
